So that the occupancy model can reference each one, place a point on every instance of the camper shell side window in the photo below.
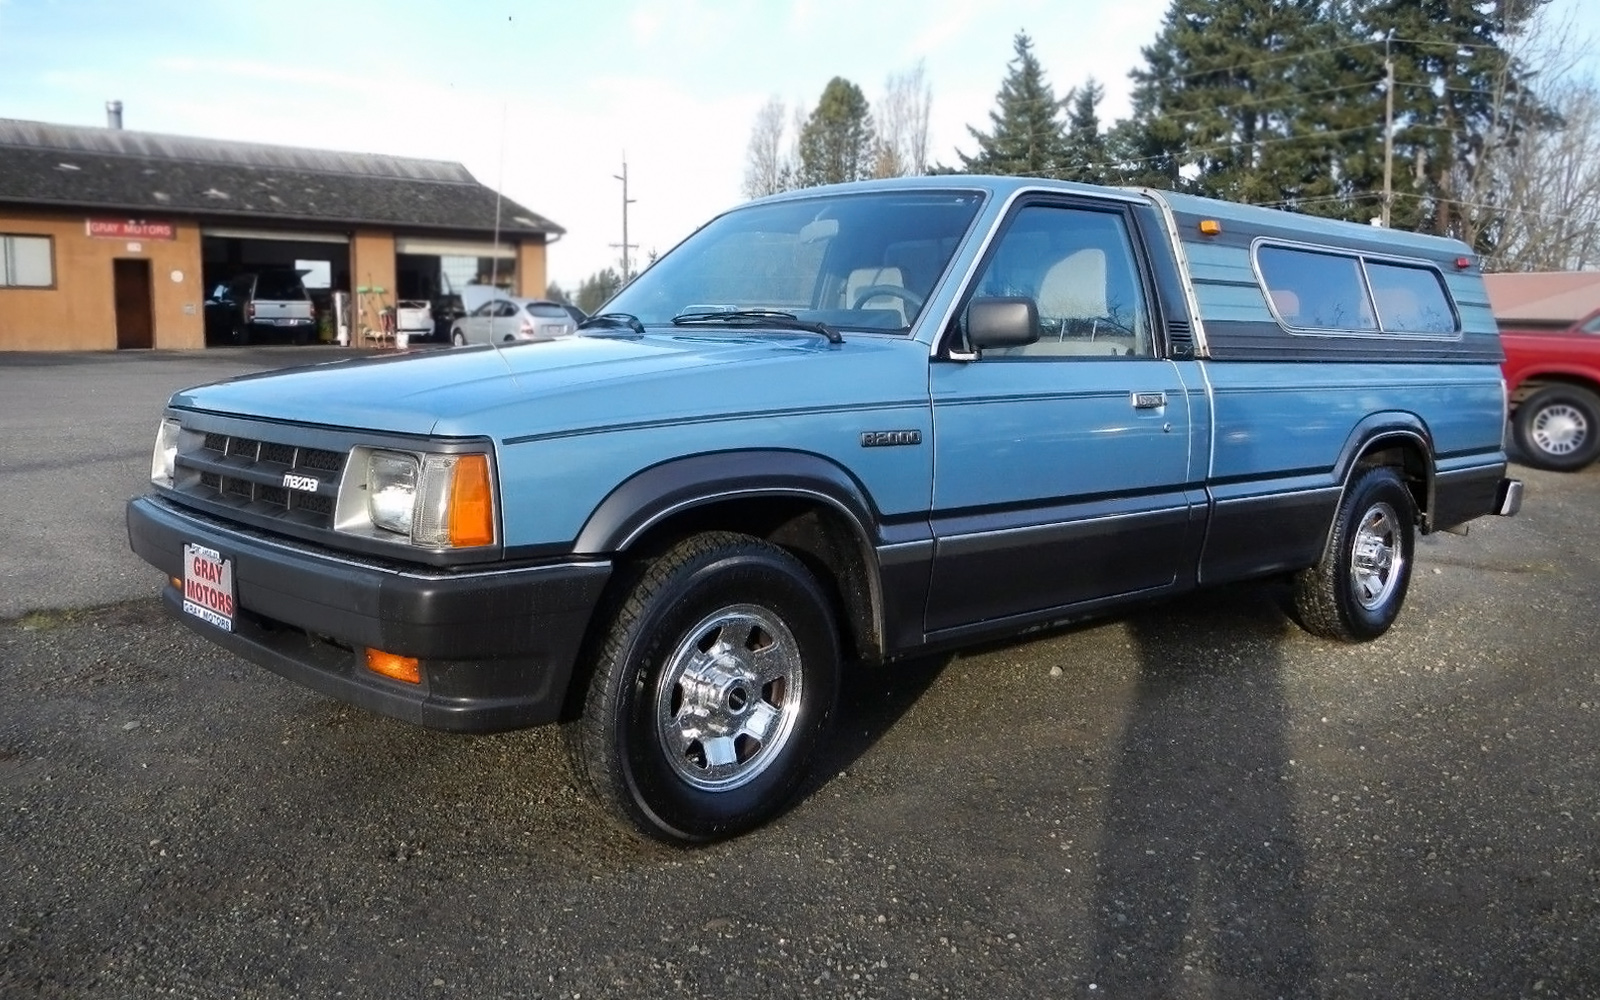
(1322, 291)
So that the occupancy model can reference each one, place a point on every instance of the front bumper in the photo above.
(496, 647)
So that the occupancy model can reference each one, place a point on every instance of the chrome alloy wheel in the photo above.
(1377, 558)
(727, 699)
(1560, 429)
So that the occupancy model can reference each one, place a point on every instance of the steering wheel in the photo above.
(912, 300)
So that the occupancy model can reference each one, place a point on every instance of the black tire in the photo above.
(680, 736)
(457, 338)
(1355, 592)
(241, 335)
(1558, 428)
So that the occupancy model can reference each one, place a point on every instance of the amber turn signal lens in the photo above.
(471, 503)
(401, 668)
(1210, 227)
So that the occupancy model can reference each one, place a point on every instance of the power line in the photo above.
(1272, 60)
(1320, 199)
(1590, 219)
(1290, 99)
(1271, 140)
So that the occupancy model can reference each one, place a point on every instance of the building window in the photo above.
(25, 262)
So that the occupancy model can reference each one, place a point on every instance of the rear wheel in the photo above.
(458, 338)
(1355, 592)
(1558, 428)
(710, 690)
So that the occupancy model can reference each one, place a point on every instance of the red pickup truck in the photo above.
(1553, 384)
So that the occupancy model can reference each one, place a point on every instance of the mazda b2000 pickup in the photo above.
(835, 427)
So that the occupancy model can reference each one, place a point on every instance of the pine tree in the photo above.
(1462, 100)
(1086, 158)
(1026, 137)
(595, 290)
(1230, 102)
(837, 141)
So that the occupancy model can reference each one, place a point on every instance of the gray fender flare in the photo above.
(654, 494)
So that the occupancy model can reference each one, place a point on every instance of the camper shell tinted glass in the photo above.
(1327, 291)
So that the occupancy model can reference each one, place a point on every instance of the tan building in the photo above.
(115, 239)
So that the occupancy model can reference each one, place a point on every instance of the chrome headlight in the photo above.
(434, 501)
(392, 490)
(164, 462)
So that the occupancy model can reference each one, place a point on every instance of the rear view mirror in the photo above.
(819, 229)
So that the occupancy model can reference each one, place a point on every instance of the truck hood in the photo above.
(469, 391)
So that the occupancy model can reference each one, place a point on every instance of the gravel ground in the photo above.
(1196, 800)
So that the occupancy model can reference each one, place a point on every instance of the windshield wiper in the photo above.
(613, 321)
(757, 317)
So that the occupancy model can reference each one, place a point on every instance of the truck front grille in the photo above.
(247, 474)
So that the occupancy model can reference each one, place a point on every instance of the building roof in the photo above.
(1550, 298)
(153, 174)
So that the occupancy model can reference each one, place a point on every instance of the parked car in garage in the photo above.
(1553, 386)
(507, 320)
(268, 304)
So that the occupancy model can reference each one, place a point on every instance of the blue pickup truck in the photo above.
(834, 427)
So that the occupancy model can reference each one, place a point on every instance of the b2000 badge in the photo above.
(889, 439)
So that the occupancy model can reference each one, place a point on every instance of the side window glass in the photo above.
(487, 309)
(504, 308)
(1410, 299)
(1310, 290)
(1592, 326)
(1078, 266)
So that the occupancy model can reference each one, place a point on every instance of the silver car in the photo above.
(505, 320)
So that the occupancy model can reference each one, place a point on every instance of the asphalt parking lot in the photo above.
(1196, 800)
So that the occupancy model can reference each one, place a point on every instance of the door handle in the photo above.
(1149, 400)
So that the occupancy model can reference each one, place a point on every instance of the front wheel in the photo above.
(710, 690)
(457, 338)
(1558, 428)
(1355, 592)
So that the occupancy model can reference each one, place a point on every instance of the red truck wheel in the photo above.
(1558, 428)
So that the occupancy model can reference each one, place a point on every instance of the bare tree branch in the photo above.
(902, 121)
(768, 168)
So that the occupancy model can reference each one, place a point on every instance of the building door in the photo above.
(135, 317)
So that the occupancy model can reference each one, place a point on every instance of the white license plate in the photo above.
(208, 586)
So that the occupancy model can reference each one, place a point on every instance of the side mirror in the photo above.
(1002, 321)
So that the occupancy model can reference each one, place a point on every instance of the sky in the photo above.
(546, 99)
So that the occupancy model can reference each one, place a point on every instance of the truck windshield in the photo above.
(863, 262)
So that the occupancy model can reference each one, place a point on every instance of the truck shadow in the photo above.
(1201, 885)
(872, 699)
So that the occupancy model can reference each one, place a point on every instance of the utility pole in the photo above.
(626, 201)
(1388, 129)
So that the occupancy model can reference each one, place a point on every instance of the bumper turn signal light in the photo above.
(401, 668)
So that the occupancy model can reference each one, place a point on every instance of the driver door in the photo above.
(1062, 466)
